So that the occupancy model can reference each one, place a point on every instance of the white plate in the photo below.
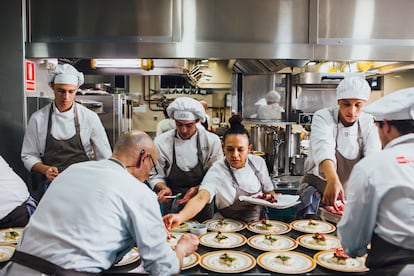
(3, 235)
(283, 201)
(185, 226)
(281, 227)
(301, 263)
(191, 261)
(321, 227)
(6, 252)
(307, 241)
(243, 262)
(129, 258)
(283, 243)
(353, 265)
(234, 240)
(232, 225)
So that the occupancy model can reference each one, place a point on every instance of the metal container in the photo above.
(297, 164)
(257, 135)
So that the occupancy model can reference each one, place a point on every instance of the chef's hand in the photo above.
(51, 173)
(333, 192)
(188, 195)
(187, 244)
(171, 221)
(164, 192)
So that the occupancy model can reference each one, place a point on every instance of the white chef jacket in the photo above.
(380, 199)
(219, 182)
(185, 151)
(13, 191)
(271, 111)
(328, 133)
(92, 229)
(92, 133)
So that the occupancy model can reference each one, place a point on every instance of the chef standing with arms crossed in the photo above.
(380, 196)
(64, 132)
(340, 137)
(184, 156)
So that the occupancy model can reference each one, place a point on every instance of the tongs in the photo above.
(173, 196)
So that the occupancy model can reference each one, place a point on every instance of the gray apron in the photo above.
(180, 181)
(63, 153)
(240, 209)
(344, 167)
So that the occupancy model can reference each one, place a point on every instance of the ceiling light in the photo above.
(115, 63)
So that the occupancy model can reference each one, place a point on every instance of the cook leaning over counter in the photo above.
(64, 132)
(340, 137)
(94, 213)
(184, 154)
(380, 195)
(239, 173)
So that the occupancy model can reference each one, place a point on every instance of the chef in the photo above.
(272, 109)
(340, 137)
(238, 174)
(380, 195)
(64, 132)
(184, 154)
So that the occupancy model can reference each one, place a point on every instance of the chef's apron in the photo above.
(45, 266)
(344, 166)
(383, 254)
(240, 209)
(180, 181)
(63, 153)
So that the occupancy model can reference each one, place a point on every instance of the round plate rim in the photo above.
(252, 229)
(244, 240)
(295, 243)
(332, 227)
(261, 256)
(318, 254)
(241, 223)
(198, 257)
(311, 234)
(253, 260)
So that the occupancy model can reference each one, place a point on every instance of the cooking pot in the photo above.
(297, 164)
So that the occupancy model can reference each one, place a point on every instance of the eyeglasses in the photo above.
(152, 161)
(153, 164)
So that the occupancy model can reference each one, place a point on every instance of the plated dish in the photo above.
(319, 241)
(191, 261)
(271, 242)
(10, 235)
(282, 201)
(173, 239)
(227, 261)
(312, 226)
(222, 240)
(6, 251)
(185, 226)
(224, 225)
(286, 262)
(266, 226)
(328, 260)
(129, 258)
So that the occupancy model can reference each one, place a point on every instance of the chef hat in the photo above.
(185, 108)
(398, 105)
(66, 74)
(272, 97)
(353, 88)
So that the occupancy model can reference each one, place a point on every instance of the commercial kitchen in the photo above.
(138, 56)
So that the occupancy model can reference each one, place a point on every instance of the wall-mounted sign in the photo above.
(30, 76)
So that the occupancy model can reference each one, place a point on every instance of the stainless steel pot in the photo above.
(297, 164)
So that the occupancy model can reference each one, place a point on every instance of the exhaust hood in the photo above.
(261, 66)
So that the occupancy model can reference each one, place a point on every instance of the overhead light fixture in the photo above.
(115, 63)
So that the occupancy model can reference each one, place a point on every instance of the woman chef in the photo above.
(64, 132)
(239, 173)
(340, 137)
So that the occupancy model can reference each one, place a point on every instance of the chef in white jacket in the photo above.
(340, 137)
(64, 132)
(272, 109)
(184, 156)
(380, 195)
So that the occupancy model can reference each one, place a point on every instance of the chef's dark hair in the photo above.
(236, 127)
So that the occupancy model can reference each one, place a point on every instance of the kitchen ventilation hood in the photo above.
(261, 66)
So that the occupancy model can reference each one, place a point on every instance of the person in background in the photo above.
(94, 213)
(64, 132)
(272, 109)
(184, 156)
(340, 137)
(165, 124)
(380, 195)
(16, 204)
(207, 123)
(239, 173)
